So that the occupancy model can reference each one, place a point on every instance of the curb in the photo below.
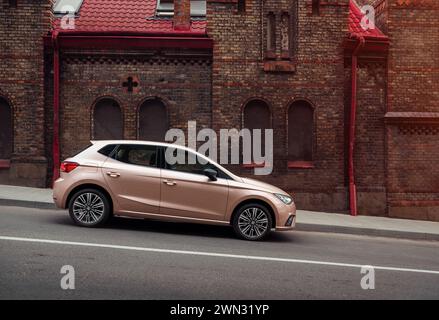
(27, 204)
(299, 226)
(367, 232)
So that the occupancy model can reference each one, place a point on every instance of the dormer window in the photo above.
(67, 6)
(165, 8)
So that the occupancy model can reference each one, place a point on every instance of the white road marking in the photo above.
(213, 254)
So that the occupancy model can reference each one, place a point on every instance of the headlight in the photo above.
(284, 198)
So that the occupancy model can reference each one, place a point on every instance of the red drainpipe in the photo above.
(56, 155)
(351, 171)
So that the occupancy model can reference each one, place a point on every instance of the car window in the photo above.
(141, 155)
(107, 150)
(194, 166)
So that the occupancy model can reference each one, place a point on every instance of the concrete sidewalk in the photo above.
(306, 220)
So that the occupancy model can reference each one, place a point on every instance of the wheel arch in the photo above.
(90, 186)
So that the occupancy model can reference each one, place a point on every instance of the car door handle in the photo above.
(113, 174)
(169, 182)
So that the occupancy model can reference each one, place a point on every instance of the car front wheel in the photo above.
(89, 208)
(252, 222)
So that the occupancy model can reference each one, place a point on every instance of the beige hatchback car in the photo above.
(135, 179)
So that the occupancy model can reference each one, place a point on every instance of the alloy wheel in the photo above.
(88, 208)
(253, 222)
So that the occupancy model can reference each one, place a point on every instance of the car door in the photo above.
(187, 192)
(133, 176)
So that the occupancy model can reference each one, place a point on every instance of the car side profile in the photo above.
(136, 179)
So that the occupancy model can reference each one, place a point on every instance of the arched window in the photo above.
(107, 120)
(257, 115)
(6, 144)
(300, 131)
(153, 120)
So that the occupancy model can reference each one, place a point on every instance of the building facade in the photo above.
(353, 109)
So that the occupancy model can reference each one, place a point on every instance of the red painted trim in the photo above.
(253, 165)
(130, 41)
(56, 153)
(351, 168)
(5, 164)
(300, 164)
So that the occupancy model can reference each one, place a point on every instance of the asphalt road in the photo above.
(139, 259)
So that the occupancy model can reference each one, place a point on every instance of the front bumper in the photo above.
(286, 218)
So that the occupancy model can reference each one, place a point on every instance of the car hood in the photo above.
(259, 185)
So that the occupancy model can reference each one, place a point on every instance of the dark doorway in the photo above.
(300, 131)
(6, 141)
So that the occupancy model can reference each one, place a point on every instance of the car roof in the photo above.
(99, 143)
(105, 142)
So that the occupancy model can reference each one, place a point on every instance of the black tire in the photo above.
(257, 230)
(94, 215)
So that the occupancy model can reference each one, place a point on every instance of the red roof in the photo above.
(355, 16)
(136, 16)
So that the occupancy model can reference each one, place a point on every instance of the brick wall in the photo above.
(413, 147)
(21, 82)
(183, 84)
(238, 75)
(369, 152)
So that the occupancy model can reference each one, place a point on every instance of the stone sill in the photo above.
(5, 164)
(279, 66)
(300, 165)
(253, 165)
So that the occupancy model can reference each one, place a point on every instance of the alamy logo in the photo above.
(68, 280)
(368, 20)
(68, 19)
(257, 146)
(368, 280)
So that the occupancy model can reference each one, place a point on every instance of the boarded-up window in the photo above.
(107, 120)
(271, 36)
(153, 120)
(300, 131)
(257, 115)
(6, 143)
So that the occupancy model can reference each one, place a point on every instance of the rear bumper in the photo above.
(59, 193)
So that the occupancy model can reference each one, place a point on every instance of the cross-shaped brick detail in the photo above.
(130, 84)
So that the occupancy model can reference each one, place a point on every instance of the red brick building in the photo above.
(354, 111)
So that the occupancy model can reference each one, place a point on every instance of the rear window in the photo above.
(107, 150)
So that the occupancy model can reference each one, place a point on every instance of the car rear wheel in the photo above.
(252, 222)
(89, 208)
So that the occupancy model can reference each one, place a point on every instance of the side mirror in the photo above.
(211, 174)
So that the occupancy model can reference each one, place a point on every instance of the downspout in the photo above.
(351, 169)
(55, 146)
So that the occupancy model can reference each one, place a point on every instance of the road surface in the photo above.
(140, 259)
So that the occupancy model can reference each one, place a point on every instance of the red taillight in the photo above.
(68, 166)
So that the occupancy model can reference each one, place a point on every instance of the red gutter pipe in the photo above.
(55, 146)
(351, 171)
